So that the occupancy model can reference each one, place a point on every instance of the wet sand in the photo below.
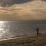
(39, 40)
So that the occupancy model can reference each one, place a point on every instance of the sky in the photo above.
(22, 9)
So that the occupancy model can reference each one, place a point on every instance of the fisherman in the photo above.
(37, 30)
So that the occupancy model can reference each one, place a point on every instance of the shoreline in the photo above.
(15, 37)
(39, 40)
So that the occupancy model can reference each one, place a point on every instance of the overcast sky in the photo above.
(22, 9)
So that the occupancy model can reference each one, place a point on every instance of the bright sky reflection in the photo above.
(1, 21)
(1, 28)
(4, 30)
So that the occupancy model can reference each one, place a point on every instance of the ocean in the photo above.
(10, 29)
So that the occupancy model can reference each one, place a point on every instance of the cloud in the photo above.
(10, 8)
(12, 2)
(3, 9)
(43, 0)
(38, 10)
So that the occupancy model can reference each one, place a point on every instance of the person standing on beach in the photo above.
(37, 30)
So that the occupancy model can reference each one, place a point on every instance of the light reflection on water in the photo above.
(20, 28)
(1, 29)
(4, 31)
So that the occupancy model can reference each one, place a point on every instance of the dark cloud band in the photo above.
(4, 3)
(43, 0)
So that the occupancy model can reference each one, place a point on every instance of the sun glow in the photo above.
(1, 21)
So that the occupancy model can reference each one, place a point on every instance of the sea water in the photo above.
(19, 28)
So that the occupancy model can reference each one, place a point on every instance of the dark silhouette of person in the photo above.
(37, 30)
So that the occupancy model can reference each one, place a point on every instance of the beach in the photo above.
(39, 40)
